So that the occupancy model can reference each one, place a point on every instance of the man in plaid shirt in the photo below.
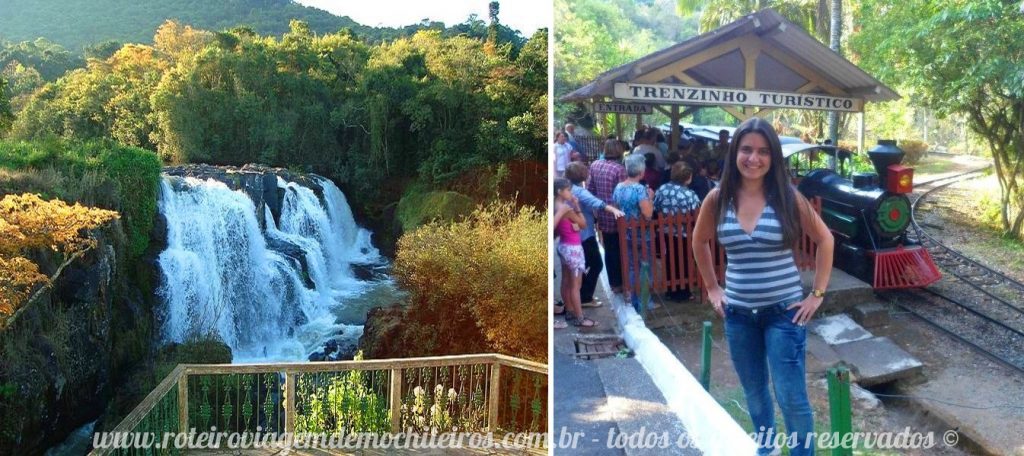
(605, 174)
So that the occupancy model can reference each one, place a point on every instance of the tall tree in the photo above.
(836, 26)
(960, 57)
(492, 29)
(6, 117)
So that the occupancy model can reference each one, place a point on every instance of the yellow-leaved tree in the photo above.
(28, 222)
(477, 285)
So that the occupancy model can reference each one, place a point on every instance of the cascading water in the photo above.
(224, 275)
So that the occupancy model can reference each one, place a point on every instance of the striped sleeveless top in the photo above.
(759, 270)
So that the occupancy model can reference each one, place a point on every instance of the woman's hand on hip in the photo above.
(717, 297)
(805, 309)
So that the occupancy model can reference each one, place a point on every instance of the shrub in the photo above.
(915, 150)
(99, 173)
(28, 223)
(418, 207)
(479, 284)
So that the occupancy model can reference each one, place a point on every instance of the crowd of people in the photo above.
(642, 179)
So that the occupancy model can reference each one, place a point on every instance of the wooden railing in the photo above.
(467, 393)
(670, 255)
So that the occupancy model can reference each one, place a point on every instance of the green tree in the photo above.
(6, 117)
(961, 57)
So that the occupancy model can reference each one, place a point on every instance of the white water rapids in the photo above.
(220, 276)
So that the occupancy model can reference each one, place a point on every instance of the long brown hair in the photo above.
(778, 189)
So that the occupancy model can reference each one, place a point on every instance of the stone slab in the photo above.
(844, 291)
(823, 354)
(837, 329)
(870, 315)
(878, 360)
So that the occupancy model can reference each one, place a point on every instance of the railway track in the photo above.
(973, 303)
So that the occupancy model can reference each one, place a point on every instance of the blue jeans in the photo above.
(766, 339)
(634, 274)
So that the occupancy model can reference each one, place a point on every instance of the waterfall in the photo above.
(270, 293)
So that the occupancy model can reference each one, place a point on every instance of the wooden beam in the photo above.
(750, 53)
(737, 113)
(663, 110)
(697, 59)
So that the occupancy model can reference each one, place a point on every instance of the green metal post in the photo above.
(645, 287)
(839, 409)
(705, 364)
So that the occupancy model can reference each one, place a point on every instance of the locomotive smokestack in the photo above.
(884, 154)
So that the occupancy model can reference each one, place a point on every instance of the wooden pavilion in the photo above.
(750, 67)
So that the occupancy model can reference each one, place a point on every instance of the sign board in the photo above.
(722, 96)
(623, 108)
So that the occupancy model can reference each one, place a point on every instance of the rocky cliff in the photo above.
(65, 353)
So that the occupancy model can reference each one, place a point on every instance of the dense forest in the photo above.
(361, 114)
(84, 25)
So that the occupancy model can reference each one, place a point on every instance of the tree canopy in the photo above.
(429, 106)
(963, 57)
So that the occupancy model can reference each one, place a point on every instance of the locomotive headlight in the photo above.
(905, 181)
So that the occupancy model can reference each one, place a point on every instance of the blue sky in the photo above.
(523, 15)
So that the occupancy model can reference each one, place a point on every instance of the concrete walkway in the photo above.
(613, 405)
(608, 406)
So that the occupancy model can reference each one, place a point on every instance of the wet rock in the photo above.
(370, 272)
(337, 349)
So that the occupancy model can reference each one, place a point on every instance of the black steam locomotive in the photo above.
(869, 216)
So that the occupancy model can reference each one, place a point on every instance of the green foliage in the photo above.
(47, 57)
(476, 285)
(594, 36)
(347, 403)
(430, 107)
(6, 117)
(418, 207)
(961, 58)
(95, 173)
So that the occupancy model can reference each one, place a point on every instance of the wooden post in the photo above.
(839, 408)
(673, 141)
(494, 397)
(705, 363)
(618, 125)
(289, 401)
(183, 402)
(860, 133)
(395, 400)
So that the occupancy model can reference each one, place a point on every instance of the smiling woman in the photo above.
(757, 217)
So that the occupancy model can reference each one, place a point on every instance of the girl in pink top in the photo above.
(568, 223)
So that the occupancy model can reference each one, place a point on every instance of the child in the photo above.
(568, 223)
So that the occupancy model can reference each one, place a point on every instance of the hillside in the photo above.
(76, 24)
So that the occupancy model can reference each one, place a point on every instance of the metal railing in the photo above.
(464, 393)
(669, 250)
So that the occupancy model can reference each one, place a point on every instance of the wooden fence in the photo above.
(468, 393)
(670, 255)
